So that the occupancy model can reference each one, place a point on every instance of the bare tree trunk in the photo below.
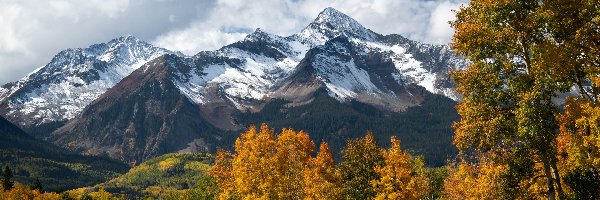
(549, 180)
(557, 181)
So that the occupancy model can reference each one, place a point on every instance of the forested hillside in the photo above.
(424, 129)
(31, 159)
(167, 176)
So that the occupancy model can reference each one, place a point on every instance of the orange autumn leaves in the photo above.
(267, 165)
(579, 141)
(321, 179)
(264, 166)
(473, 182)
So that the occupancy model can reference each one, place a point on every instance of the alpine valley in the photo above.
(335, 79)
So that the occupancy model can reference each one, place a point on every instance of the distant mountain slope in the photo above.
(56, 168)
(59, 90)
(142, 117)
(157, 177)
(423, 129)
(199, 103)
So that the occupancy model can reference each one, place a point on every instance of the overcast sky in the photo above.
(33, 31)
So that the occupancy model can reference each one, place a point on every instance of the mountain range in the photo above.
(335, 79)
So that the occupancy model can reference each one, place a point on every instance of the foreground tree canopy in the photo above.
(515, 138)
(267, 165)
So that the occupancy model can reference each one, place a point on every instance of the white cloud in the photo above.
(191, 41)
(111, 8)
(33, 31)
(230, 20)
(439, 27)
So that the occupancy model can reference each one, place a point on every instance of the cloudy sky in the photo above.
(32, 31)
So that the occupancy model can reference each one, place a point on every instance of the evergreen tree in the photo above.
(37, 185)
(7, 182)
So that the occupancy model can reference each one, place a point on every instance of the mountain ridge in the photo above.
(208, 93)
(59, 90)
(331, 23)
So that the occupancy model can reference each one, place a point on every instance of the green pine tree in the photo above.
(37, 185)
(7, 182)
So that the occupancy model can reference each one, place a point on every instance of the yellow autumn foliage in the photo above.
(473, 182)
(168, 164)
(402, 176)
(321, 179)
(265, 165)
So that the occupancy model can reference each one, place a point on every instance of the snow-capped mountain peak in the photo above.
(343, 55)
(334, 53)
(73, 78)
(129, 50)
(173, 100)
(331, 23)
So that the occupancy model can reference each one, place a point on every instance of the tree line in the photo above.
(266, 165)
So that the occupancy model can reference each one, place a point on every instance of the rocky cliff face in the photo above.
(143, 116)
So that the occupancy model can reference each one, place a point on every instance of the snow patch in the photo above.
(343, 78)
(409, 69)
(194, 87)
(252, 79)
